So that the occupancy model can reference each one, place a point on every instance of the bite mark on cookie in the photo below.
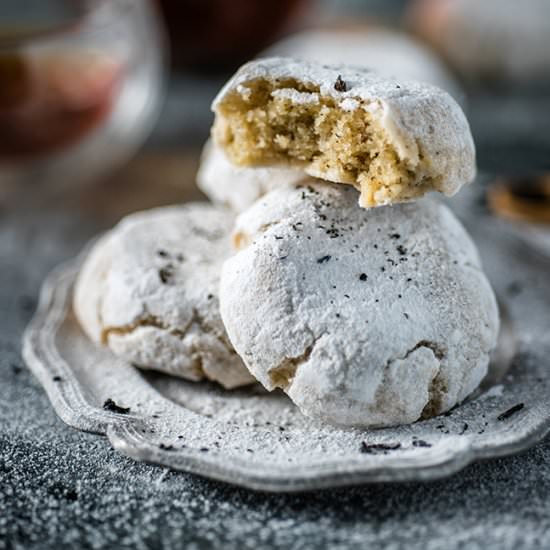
(437, 391)
(269, 127)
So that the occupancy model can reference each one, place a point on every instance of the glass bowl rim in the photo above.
(11, 41)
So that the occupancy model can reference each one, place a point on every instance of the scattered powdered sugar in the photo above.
(295, 96)
(349, 104)
(495, 391)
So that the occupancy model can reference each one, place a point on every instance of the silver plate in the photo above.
(259, 440)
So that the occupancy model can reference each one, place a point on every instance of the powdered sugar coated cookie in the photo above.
(149, 291)
(394, 140)
(363, 317)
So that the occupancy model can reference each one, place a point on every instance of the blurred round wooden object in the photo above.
(389, 52)
(501, 40)
(214, 34)
(522, 199)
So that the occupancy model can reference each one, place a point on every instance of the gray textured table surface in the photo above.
(63, 488)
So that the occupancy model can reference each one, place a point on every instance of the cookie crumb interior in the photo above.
(269, 122)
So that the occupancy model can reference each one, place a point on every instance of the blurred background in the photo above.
(105, 104)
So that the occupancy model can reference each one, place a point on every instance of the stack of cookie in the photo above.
(364, 311)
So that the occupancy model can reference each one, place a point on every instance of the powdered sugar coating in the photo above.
(149, 290)
(424, 124)
(238, 188)
(389, 52)
(364, 317)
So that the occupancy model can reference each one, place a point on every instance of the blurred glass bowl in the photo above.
(80, 87)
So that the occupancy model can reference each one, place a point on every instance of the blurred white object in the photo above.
(488, 39)
(389, 52)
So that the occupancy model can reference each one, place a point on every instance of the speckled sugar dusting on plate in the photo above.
(259, 440)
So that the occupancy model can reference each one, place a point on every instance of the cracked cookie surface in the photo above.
(363, 317)
(149, 291)
(394, 140)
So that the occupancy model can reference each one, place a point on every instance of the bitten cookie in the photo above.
(149, 291)
(390, 53)
(394, 140)
(363, 317)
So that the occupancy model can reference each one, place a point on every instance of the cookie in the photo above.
(363, 317)
(394, 140)
(149, 291)
(389, 52)
(235, 187)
